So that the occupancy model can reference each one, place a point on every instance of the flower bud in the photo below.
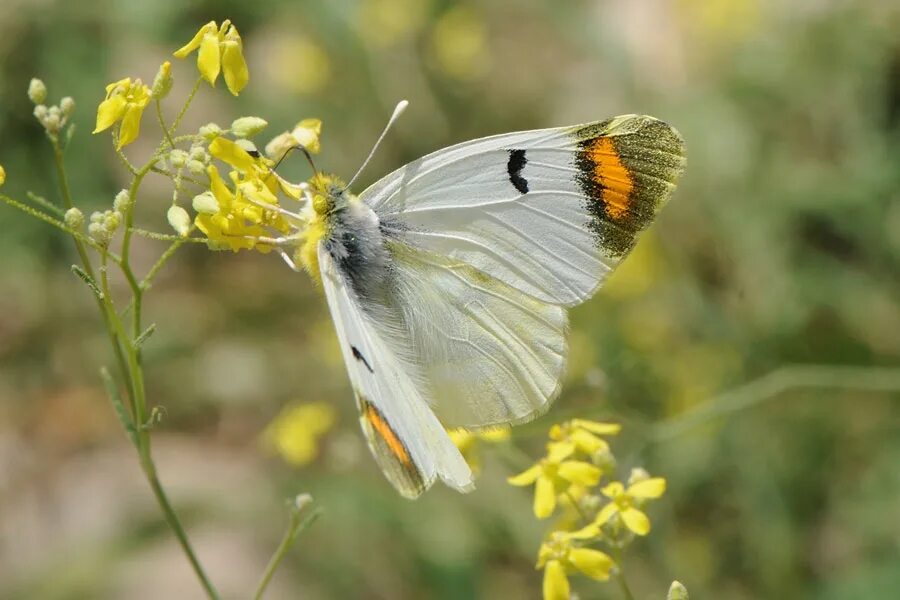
(40, 113)
(604, 459)
(2, 175)
(111, 220)
(162, 83)
(210, 131)
(205, 203)
(74, 218)
(196, 167)
(246, 145)
(178, 158)
(67, 105)
(302, 501)
(37, 91)
(248, 126)
(280, 145)
(677, 591)
(637, 475)
(198, 152)
(122, 201)
(179, 219)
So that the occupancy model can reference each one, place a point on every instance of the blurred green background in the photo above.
(780, 248)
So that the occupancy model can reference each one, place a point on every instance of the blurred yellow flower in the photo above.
(624, 502)
(294, 434)
(220, 50)
(386, 22)
(296, 64)
(468, 442)
(559, 557)
(306, 133)
(2, 175)
(554, 475)
(459, 44)
(580, 435)
(125, 101)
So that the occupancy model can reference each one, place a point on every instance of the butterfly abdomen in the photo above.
(354, 240)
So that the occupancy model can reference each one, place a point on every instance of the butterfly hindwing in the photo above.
(407, 440)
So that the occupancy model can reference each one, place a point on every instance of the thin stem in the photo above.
(165, 237)
(619, 575)
(41, 201)
(170, 251)
(184, 108)
(162, 123)
(295, 528)
(578, 507)
(79, 237)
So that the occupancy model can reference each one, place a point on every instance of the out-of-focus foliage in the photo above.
(781, 247)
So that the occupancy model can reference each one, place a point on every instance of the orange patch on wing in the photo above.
(611, 175)
(383, 429)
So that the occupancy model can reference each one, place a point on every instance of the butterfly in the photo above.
(448, 280)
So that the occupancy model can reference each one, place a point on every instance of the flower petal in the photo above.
(234, 67)
(593, 563)
(559, 451)
(579, 472)
(208, 60)
(526, 477)
(613, 490)
(195, 41)
(109, 111)
(585, 533)
(649, 488)
(131, 125)
(544, 498)
(636, 521)
(597, 427)
(229, 152)
(556, 584)
(606, 513)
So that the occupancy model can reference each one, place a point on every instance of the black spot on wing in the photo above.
(514, 167)
(359, 356)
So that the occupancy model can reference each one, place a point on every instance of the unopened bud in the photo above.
(248, 126)
(179, 219)
(302, 501)
(604, 459)
(198, 152)
(196, 167)
(280, 145)
(677, 591)
(122, 201)
(111, 220)
(162, 83)
(210, 131)
(637, 475)
(37, 91)
(178, 158)
(205, 203)
(67, 105)
(74, 218)
(247, 145)
(40, 113)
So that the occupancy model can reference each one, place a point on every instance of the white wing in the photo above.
(549, 212)
(407, 440)
(489, 354)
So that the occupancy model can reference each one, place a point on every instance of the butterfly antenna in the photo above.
(305, 152)
(401, 106)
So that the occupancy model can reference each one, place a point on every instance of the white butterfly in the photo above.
(448, 280)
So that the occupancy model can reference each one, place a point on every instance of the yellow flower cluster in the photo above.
(220, 50)
(125, 101)
(577, 474)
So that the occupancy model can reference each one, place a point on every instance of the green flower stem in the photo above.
(184, 108)
(162, 123)
(170, 251)
(619, 575)
(295, 528)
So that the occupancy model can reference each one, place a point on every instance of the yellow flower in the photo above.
(2, 175)
(553, 476)
(468, 442)
(559, 557)
(306, 133)
(294, 433)
(624, 502)
(580, 435)
(125, 101)
(220, 50)
(240, 215)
